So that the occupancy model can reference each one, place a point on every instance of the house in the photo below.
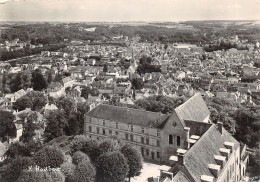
(55, 89)
(68, 82)
(156, 135)
(91, 62)
(9, 99)
(48, 108)
(74, 92)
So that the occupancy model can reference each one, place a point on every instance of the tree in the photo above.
(85, 92)
(82, 109)
(57, 176)
(79, 156)
(134, 160)
(22, 149)
(49, 156)
(56, 125)
(78, 143)
(15, 167)
(7, 126)
(91, 148)
(38, 81)
(112, 167)
(34, 100)
(108, 145)
(67, 168)
(105, 96)
(94, 92)
(17, 149)
(28, 130)
(65, 103)
(22, 103)
(39, 100)
(73, 127)
(105, 68)
(49, 77)
(138, 83)
(159, 103)
(84, 172)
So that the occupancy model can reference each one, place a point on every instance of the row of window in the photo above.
(147, 141)
(146, 152)
(132, 127)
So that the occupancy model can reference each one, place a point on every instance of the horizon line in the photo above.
(123, 21)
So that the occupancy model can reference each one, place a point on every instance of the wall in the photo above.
(123, 129)
(231, 171)
(175, 128)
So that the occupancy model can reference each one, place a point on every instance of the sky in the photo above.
(128, 10)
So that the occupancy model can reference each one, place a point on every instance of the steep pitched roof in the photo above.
(128, 115)
(202, 153)
(194, 109)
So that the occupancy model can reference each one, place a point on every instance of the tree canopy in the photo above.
(49, 156)
(134, 160)
(112, 167)
(7, 126)
(38, 81)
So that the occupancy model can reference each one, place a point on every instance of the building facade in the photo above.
(156, 135)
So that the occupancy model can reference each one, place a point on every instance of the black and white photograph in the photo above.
(129, 90)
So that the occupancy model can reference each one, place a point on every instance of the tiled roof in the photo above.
(66, 79)
(194, 109)
(54, 85)
(128, 115)
(202, 153)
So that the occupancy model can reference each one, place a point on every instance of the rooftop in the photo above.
(128, 115)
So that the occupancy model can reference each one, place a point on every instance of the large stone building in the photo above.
(158, 136)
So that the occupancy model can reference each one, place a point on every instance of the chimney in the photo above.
(180, 154)
(187, 138)
(192, 142)
(195, 137)
(220, 160)
(229, 145)
(220, 127)
(215, 169)
(173, 159)
(225, 152)
(205, 178)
